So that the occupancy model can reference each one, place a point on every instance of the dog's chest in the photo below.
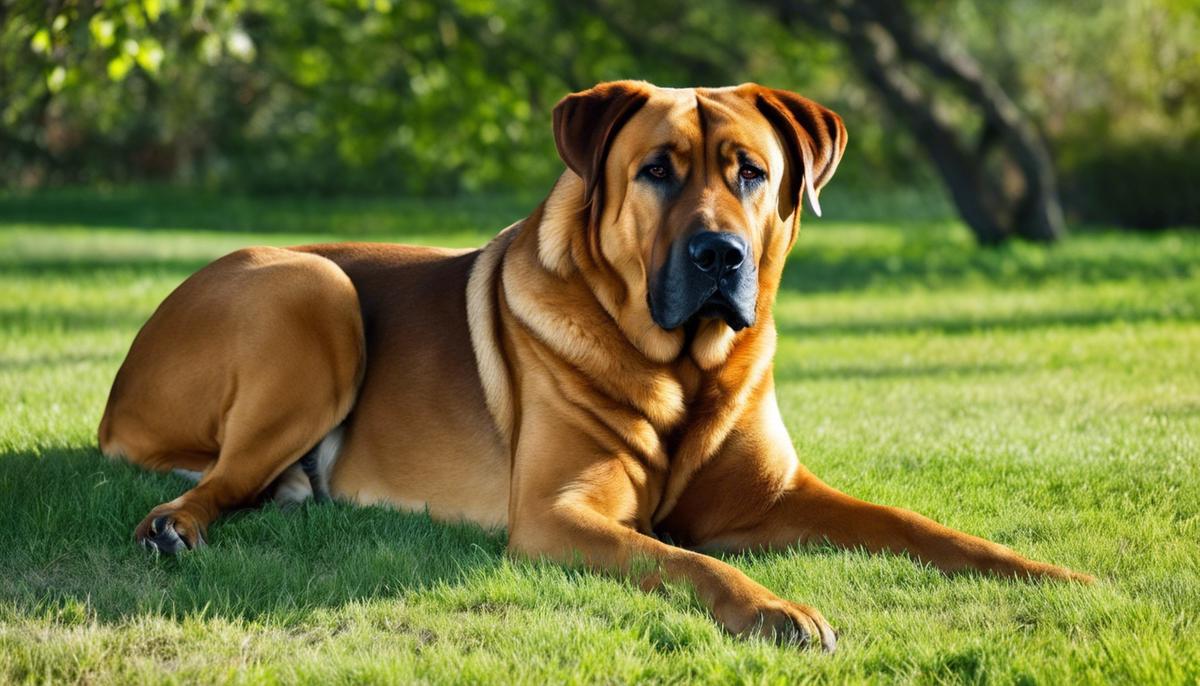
(676, 401)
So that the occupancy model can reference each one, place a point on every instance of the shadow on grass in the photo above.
(925, 258)
(162, 209)
(68, 319)
(791, 372)
(99, 266)
(62, 360)
(960, 325)
(66, 541)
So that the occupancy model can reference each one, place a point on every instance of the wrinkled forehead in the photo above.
(691, 120)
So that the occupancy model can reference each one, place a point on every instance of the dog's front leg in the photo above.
(754, 494)
(581, 517)
(812, 511)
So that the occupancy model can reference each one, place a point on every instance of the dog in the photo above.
(597, 379)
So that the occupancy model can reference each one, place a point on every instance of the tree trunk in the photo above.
(881, 39)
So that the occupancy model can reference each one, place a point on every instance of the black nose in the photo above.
(717, 252)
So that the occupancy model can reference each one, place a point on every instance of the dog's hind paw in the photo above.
(160, 534)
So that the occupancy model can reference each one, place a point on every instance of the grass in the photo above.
(1045, 398)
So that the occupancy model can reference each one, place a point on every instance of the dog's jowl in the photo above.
(597, 373)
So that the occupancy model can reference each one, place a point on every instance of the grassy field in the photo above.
(1045, 398)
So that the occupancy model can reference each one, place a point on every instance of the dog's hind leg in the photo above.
(249, 462)
(245, 367)
(309, 476)
(311, 465)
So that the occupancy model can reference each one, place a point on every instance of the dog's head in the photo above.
(692, 200)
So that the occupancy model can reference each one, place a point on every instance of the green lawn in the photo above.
(1045, 398)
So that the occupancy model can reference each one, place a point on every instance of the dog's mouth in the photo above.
(719, 306)
(709, 303)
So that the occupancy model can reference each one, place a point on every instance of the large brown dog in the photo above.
(599, 372)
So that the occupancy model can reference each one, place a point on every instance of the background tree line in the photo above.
(451, 96)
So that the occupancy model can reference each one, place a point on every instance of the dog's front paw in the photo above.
(169, 533)
(1061, 574)
(795, 624)
(782, 621)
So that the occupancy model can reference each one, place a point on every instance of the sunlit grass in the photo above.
(1046, 398)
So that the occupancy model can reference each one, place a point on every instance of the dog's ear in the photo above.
(585, 124)
(814, 135)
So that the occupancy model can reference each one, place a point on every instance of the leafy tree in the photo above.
(885, 42)
(443, 96)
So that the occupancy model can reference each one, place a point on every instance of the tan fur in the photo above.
(526, 385)
(483, 319)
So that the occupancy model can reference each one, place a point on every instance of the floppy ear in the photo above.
(585, 125)
(814, 135)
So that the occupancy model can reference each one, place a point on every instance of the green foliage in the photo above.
(430, 97)
(441, 96)
(1043, 397)
(1107, 72)
(425, 96)
(1145, 184)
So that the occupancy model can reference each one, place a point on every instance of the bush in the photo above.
(1146, 184)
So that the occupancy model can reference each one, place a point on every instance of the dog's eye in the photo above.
(658, 172)
(750, 173)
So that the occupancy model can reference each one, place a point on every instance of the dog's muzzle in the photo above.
(709, 276)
